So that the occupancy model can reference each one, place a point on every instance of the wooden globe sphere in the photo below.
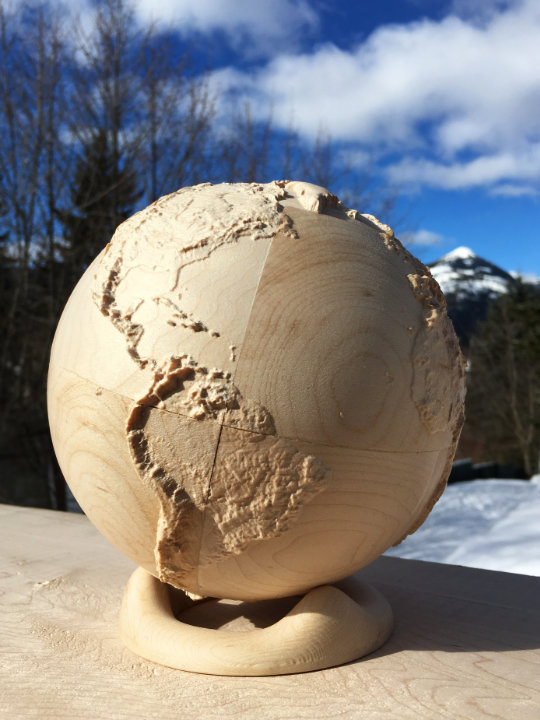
(254, 391)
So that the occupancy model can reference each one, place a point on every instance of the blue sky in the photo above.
(442, 98)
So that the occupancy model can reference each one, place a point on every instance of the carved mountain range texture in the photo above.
(255, 390)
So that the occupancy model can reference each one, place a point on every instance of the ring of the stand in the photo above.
(325, 628)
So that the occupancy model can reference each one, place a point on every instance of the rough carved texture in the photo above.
(436, 348)
(311, 197)
(251, 496)
(257, 487)
(260, 335)
(193, 223)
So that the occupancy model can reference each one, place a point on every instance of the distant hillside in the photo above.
(489, 445)
(469, 284)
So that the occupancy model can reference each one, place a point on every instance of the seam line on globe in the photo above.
(222, 425)
(207, 495)
(263, 266)
(253, 432)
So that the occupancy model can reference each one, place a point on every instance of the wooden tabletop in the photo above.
(466, 642)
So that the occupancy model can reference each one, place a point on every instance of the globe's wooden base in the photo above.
(325, 628)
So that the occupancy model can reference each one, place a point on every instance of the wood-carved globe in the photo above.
(254, 391)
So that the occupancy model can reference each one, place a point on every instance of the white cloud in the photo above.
(509, 190)
(458, 99)
(481, 171)
(264, 26)
(425, 238)
(255, 26)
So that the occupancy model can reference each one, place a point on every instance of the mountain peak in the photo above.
(460, 253)
(469, 283)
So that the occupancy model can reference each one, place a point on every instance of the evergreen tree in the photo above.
(103, 195)
(503, 403)
(8, 275)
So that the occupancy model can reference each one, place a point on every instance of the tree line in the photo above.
(503, 382)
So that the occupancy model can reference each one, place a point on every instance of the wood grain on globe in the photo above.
(254, 391)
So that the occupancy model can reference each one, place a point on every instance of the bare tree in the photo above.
(31, 166)
(244, 148)
(137, 86)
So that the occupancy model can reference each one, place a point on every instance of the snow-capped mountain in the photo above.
(469, 284)
(462, 271)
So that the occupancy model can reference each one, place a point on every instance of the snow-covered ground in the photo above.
(491, 524)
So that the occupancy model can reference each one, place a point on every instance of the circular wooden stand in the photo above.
(325, 628)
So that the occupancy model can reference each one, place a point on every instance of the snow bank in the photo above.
(491, 524)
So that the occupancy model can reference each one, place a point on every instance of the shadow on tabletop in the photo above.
(436, 607)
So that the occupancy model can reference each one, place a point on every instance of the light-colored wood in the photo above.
(371, 501)
(255, 391)
(466, 643)
(325, 628)
(336, 322)
(98, 464)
